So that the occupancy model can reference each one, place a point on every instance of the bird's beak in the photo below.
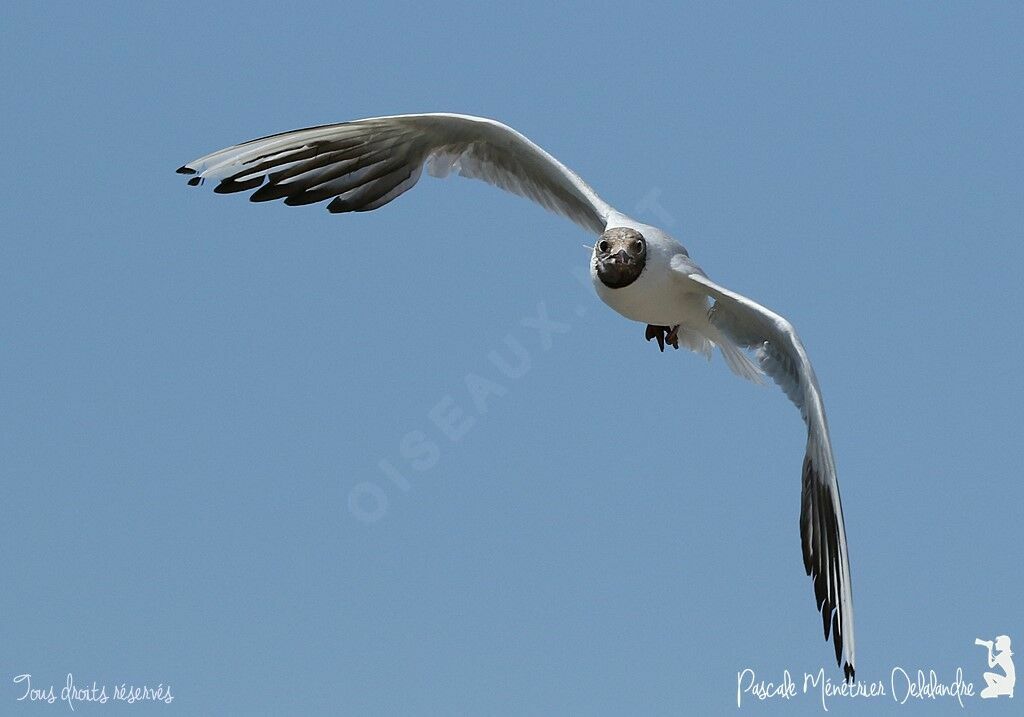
(620, 258)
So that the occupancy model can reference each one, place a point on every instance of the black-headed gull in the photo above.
(638, 270)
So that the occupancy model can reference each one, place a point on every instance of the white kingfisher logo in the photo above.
(998, 684)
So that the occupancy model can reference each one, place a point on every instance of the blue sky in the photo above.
(193, 386)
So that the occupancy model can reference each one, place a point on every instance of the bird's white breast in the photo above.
(656, 297)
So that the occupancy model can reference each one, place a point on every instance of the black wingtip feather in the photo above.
(819, 533)
(269, 192)
(195, 181)
(837, 638)
(228, 186)
(185, 169)
(339, 206)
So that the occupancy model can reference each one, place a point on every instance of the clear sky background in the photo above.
(192, 386)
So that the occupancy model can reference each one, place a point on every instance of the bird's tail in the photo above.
(737, 359)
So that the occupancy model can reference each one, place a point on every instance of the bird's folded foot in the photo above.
(664, 334)
(672, 337)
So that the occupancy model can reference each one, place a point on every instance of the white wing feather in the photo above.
(364, 164)
(782, 356)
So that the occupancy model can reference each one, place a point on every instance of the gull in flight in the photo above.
(637, 269)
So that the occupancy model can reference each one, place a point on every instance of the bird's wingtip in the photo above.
(185, 169)
(848, 672)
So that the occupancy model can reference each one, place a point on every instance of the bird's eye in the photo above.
(602, 246)
(638, 246)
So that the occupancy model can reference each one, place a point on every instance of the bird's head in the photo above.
(619, 256)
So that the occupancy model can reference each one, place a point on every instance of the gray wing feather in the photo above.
(364, 164)
(822, 530)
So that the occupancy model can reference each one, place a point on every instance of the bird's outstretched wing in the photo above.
(364, 164)
(822, 531)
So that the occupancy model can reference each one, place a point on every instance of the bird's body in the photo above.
(653, 298)
(637, 269)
